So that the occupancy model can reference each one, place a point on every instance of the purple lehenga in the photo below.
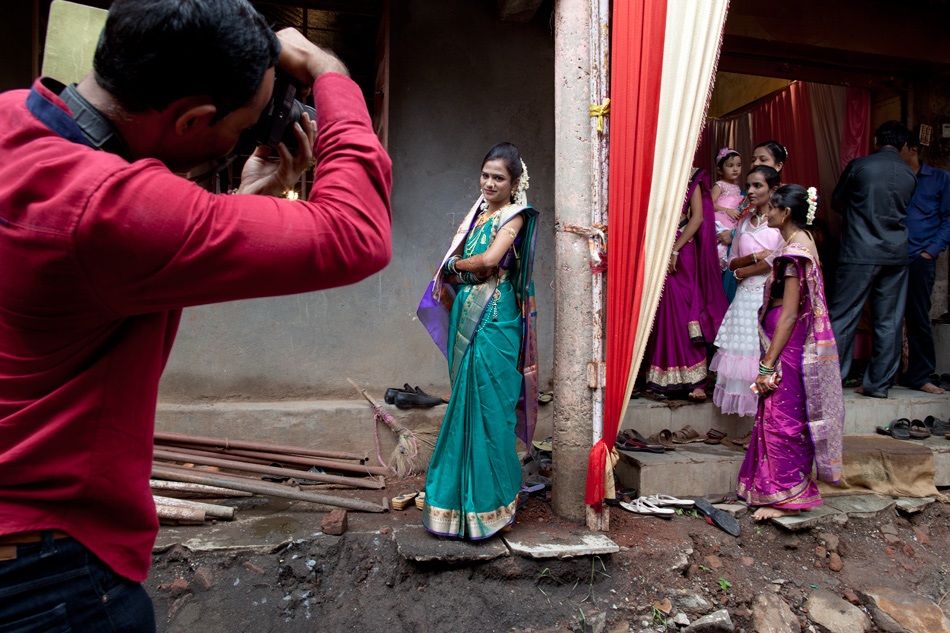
(801, 422)
(692, 306)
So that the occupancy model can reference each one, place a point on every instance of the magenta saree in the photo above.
(802, 421)
(692, 306)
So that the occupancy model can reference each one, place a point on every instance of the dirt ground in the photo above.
(360, 581)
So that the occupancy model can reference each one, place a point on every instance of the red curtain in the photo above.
(856, 133)
(786, 118)
(636, 72)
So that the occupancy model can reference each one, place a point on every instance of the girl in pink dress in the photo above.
(726, 196)
(737, 359)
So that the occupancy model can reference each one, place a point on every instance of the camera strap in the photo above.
(98, 130)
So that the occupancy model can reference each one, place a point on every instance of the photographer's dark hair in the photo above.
(508, 153)
(772, 177)
(794, 197)
(913, 141)
(722, 160)
(152, 52)
(776, 149)
(892, 133)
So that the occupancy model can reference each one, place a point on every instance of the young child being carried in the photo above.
(726, 196)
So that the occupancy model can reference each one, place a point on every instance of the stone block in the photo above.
(862, 506)
(771, 613)
(541, 545)
(416, 543)
(691, 470)
(835, 614)
(716, 622)
(913, 505)
(335, 523)
(895, 610)
(814, 516)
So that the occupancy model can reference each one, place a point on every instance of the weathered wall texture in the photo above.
(461, 81)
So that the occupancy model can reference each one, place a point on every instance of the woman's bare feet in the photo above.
(697, 395)
(932, 388)
(771, 512)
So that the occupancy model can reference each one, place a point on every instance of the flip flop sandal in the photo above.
(421, 500)
(400, 502)
(898, 429)
(667, 500)
(686, 435)
(664, 438)
(936, 425)
(714, 437)
(722, 520)
(641, 505)
(918, 430)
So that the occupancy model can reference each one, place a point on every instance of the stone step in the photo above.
(862, 414)
(341, 425)
(694, 470)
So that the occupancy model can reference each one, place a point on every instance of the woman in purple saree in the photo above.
(800, 418)
(693, 301)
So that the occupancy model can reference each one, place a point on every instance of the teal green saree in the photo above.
(475, 474)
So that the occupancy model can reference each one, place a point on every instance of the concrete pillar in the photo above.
(572, 285)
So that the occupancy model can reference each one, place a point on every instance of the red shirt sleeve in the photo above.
(148, 240)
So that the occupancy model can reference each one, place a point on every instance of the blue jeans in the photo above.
(59, 586)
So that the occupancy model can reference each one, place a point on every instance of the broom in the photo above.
(413, 450)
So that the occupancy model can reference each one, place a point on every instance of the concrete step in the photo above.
(701, 469)
(862, 414)
(341, 425)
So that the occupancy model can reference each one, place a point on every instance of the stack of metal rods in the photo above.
(246, 463)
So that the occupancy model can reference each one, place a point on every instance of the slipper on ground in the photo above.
(641, 505)
(668, 500)
(722, 520)
(898, 429)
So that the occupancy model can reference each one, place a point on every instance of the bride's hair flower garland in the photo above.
(812, 205)
(520, 197)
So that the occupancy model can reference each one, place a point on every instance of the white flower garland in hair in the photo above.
(812, 205)
(520, 197)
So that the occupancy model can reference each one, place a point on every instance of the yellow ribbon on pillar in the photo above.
(600, 111)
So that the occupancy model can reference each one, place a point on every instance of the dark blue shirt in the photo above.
(876, 190)
(928, 214)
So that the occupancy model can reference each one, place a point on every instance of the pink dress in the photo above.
(730, 196)
(737, 359)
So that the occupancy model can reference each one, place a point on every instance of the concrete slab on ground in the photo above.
(913, 505)
(737, 510)
(258, 534)
(416, 543)
(862, 506)
(561, 545)
(810, 518)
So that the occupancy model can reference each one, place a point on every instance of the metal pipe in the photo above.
(197, 490)
(223, 442)
(174, 513)
(268, 458)
(262, 488)
(211, 510)
(267, 470)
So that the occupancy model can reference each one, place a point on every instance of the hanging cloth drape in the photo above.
(666, 49)
(856, 135)
(786, 118)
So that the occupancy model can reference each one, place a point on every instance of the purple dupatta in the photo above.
(824, 399)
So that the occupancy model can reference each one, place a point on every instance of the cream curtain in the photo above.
(690, 53)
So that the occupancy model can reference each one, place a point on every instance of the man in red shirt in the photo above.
(102, 245)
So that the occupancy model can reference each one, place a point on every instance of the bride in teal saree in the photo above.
(480, 311)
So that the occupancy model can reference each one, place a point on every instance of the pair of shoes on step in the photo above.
(407, 397)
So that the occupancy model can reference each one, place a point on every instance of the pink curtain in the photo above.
(856, 133)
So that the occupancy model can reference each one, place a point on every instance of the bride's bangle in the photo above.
(755, 258)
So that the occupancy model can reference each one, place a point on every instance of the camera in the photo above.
(276, 124)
